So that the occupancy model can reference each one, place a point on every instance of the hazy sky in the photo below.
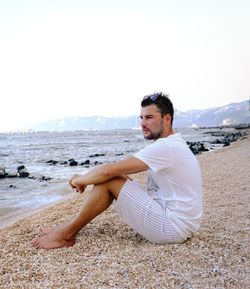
(96, 57)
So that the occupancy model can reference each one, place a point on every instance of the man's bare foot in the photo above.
(52, 240)
(46, 230)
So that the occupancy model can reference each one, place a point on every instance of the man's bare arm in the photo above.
(105, 172)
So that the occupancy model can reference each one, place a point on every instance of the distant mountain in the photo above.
(88, 123)
(232, 114)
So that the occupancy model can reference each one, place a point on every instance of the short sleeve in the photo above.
(158, 155)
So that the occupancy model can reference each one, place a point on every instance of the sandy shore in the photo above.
(108, 254)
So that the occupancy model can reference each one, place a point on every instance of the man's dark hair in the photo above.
(162, 102)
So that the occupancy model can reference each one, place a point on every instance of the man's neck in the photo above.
(168, 133)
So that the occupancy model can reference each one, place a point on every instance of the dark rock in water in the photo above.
(43, 178)
(217, 141)
(227, 138)
(22, 171)
(23, 174)
(203, 148)
(12, 186)
(98, 163)
(217, 133)
(87, 162)
(197, 147)
(72, 162)
(97, 155)
(52, 162)
(119, 154)
(2, 172)
(20, 168)
(226, 142)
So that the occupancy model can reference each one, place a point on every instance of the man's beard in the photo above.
(154, 135)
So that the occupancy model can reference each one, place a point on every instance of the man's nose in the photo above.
(142, 122)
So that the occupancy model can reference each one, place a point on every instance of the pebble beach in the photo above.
(108, 254)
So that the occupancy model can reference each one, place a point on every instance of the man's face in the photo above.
(152, 123)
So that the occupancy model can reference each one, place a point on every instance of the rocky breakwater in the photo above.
(72, 162)
(225, 138)
(197, 147)
(222, 138)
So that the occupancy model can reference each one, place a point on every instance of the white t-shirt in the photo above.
(174, 179)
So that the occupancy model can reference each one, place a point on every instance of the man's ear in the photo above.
(168, 119)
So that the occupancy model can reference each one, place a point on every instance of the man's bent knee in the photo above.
(115, 185)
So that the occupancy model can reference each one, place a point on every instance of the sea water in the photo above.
(35, 149)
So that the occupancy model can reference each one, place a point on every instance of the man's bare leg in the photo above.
(99, 199)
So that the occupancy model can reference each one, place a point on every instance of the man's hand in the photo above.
(75, 183)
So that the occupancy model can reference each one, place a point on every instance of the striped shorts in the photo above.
(145, 215)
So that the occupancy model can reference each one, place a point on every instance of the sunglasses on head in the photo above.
(152, 97)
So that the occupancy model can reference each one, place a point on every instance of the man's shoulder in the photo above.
(176, 137)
